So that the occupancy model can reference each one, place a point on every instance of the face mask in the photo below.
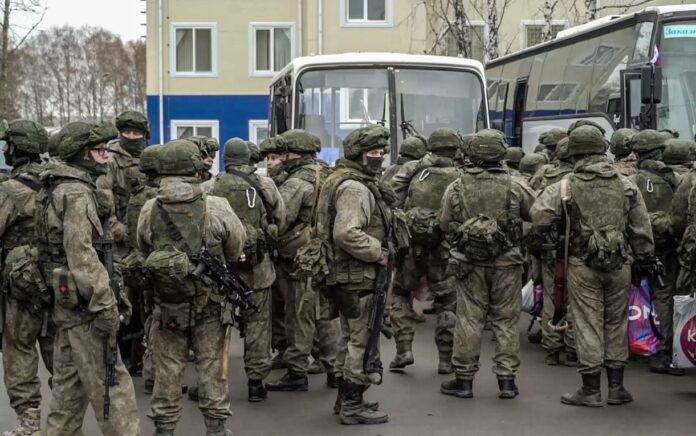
(373, 165)
(134, 147)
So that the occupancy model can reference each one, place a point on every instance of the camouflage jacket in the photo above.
(549, 174)
(627, 166)
(401, 181)
(17, 196)
(123, 177)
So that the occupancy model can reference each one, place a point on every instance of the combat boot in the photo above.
(355, 411)
(149, 386)
(257, 392)
(571, 359)
(429, 311)
(331, 381)
(290, 382)
(216, 427)
(193, 393)
(553, 358)
(508, 388)
(617, 392)
(661, 364)
(588, 395)
(404, 356)
(278, 362)
(444, 367)
(29, 423)
(316, 368)
(163, 432)
(458, 387)
(372, 405)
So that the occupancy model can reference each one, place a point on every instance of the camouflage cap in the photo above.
(180, 157)
(77, 135)
(133, 120)
(255, 153)
(149, 159)
(272, 145)
(620, 142)
(301, 141)
(530, 163)
(444, 139)
(365, 139)
(678, 152)
(414, 147)
(551, 138)
(236, 152)
(648, 140)
(487, 146)
(514, 154)
(586, 139)
(584, 122)
(27, 135)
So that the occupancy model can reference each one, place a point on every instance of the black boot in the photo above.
(257, 392)
(372, 405)
(354, 410)
(553, 358)
(278, 362)
(661, 363)
(588, 395)
(289, 383)
(458, 388)
(617, 393)
(331, 380)
(571, 358)
(149, 386)
(508, 388)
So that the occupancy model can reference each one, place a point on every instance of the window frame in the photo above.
(214, 124)
(388, 16)
(472, 24)
(344, 107)
(525, 23)
(173, 27)
(270, 25)
(254, 125)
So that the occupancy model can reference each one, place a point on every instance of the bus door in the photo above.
(631, 106)
(518, 108)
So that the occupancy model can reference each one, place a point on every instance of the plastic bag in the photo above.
(532, 298)
(684, 345)
(642, 338)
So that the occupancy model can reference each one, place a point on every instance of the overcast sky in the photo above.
(122, 17)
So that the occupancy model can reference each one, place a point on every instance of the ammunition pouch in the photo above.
(292, 241)
(175, 316)
(65, 289)
(348, 303)
(171, 274)
(25, 282)
(480, 239)
(350, 271)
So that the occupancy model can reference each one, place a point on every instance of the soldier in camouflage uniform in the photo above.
(69, 218)
(550, 140)
(188, 312)
(530, 164)
(679, 156)
(27, 307)
(208, 148)
(300, 192)
(254, 153)
(552, 172)
(419, 186)
(597, 197)
(413, 148)
(625, 161)
(657, 184)
(482, 215)
(258, 204)
(512, 160)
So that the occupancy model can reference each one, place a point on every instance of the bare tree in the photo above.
(592, 7)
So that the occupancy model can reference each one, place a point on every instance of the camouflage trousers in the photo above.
(354, 338)
(19, 356)
(278, 342)
(78, 380)
(285, 285)
(257, 336)
(599, 309)
(148, 366)
(411, 271)
(170, 355)
(305, 306)
(663, 299)
(487, 293)
(553, 340)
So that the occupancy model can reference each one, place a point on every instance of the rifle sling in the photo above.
(173, 231)
(34, 186)
(259, 191)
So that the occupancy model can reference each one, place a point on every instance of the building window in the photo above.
(533, 31)
(477, 36)
(258, 131)
(181, 129)
(193, 49)
(272, 47)
(367, 13)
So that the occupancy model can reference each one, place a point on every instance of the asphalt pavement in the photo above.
(664, 405)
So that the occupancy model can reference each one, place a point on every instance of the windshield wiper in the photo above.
(407, 128)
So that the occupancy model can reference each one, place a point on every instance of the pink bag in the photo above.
(643, 328)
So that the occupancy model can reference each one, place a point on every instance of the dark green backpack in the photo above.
(424, 199)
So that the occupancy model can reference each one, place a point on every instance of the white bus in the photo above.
(332, 95)
(636, 70)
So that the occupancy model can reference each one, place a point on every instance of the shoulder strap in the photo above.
(172, 230)
(259, 191)
(34, 186)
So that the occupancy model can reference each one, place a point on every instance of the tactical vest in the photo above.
(133, 179)
(424, 200)
(21, 232)
(316, 175)
(135, 205)
(598, 212)
(555, 173)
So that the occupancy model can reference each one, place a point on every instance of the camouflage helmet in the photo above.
(620, 142)
(301, 141)
(27, 136)
(274, 145)
(414, 147)
(648, 140)
(255, 153)
(149, 159)
(584, 122)
(487, 146)
(4, 127)
(671, 133)
(444, 139)
(77, 135)
(530, 163)
(551, 138)
(514, 154)
(678, 152)
(365, 139)
(180, 157)
(236, 152)
(53, 142)
(562, 149)
(206, 146)
(586, 139)
(133, 120)
(539, 148)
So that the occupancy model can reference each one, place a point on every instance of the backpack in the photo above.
(657, 194)
(423, 202)
(488, 224)
(598, 228)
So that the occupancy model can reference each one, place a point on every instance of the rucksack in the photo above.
(657, 194)
(424, 199)
(598, 219)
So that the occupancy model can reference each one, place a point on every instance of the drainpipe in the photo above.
(161, 72)
(320, 26)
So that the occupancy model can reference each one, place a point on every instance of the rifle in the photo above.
(372, 364)
(110, 358)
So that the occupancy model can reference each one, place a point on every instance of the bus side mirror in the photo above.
(651, 85)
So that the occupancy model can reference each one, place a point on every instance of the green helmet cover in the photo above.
(301, 141)
(514, 154)
(443, 139)
(530, 163)
(551, 138)
(27, 135)
(648, 140)
(236, 152)
(133, 120)
(586, 139)
(274, 145)
(180, 157)
(487, 146)
(414, 147)
(255, 153)
(561, 149)
(365, 139)
(77, 135)
(678, 152)
(149, 159)
(584, 122)
(620, 142)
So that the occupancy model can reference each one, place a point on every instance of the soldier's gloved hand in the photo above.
(107, 321)
(120, 232)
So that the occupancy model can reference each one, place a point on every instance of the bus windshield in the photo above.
(334, 102)
(3, 165)
(677, 54)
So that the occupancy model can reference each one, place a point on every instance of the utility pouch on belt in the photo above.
(64, 288)
(25, 281)
(171, 272)
(177, 317)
